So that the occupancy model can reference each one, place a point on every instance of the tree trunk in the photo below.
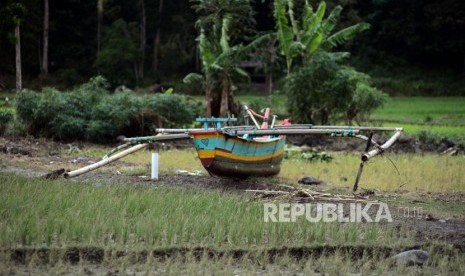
(208, 98)
(142, 37)
(19, 82)
(136, 72)
(45, 38)
(224, 107)
(99, 24)
(156, 41)
(269, 84)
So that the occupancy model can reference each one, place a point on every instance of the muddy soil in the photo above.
(405, 144)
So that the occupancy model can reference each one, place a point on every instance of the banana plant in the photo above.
(313, 32)
(220, 64)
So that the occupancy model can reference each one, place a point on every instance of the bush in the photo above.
(6, 116)
(324, 89)
(90, 113)
(173, 109)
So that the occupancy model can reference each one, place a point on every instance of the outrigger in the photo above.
(247, 150)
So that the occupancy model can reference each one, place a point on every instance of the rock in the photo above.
(403, 139)
(367, 192)
(429, 217)
(447, 143)
(310, 180)
(55, 174)
(411, 257)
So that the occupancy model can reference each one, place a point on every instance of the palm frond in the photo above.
(315, 43)
(258, 42)
(284, 32)
(317, 17)
(345, 35)
(224, 40)
(339, 56)
(193, 78)
(306, 16)
(331, 20)
(206, 54)
(294, 23)
(241, 72)
(296, 48)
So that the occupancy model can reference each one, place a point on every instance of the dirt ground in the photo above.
(37, 157)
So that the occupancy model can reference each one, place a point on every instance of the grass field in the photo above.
(424, 110)
(166, 228)
(42, 212)
(59, 216)
(444, 116)
(426, 172)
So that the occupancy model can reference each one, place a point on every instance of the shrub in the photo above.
(173, 109)
(6, 116)
(89, 112)
(325, 89)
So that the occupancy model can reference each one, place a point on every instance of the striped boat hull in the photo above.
(223, 155)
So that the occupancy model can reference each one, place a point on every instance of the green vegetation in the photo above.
(423, 110)
(89, 112)
(302, 38)
(6, 116)
(432, 118)
(119, 53)
(58, 213)
(323, 90)
(221, 22)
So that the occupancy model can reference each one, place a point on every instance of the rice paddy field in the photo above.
(115, 221)
(444, 116)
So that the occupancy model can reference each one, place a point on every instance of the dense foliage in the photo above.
(426, 33)
(91, 113)
(325, 89)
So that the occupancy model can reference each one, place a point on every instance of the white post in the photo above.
(154, 176)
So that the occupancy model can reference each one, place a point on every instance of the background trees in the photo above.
(221, 22)
(424, 36)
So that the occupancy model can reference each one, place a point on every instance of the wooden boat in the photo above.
(238, 156)
(246, 150)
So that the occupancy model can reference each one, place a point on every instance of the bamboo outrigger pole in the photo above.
(103, 162)
(140, 143)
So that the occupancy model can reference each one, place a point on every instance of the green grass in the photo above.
(423, 110)
(437, 116)
(38, 212)
(452, 132)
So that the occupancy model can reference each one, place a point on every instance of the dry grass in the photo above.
(428, 172)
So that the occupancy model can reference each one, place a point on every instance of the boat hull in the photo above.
(231, 156)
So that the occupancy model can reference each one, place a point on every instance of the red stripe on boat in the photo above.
(206, 162)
